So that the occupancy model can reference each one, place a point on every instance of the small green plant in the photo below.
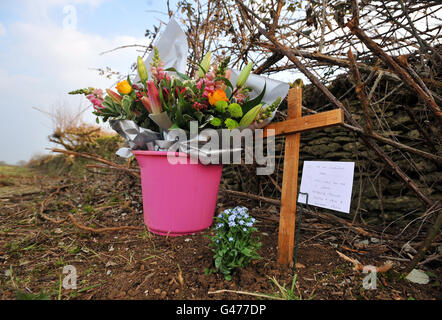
(88, 208)
(32, 296)
(232, 243)
(285, 293)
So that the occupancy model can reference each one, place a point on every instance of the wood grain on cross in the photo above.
(292, 128)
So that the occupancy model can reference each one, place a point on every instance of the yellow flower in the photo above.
(217, 95)
(124, 87)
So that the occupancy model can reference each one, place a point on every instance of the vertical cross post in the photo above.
(290, 182)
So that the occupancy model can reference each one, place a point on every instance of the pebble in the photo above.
(132, 292)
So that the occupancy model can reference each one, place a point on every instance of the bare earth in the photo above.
(38, 238)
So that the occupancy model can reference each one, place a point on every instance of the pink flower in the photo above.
(96, 101)
(158, 73)
(98, 93)
(240, 96)
(199, 106)
(152, 102)
(210, 86)
(146, 103)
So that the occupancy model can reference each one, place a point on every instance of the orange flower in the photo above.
(124, 87)
(217, 95)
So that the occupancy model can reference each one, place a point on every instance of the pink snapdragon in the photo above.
(240, 96)
(158, 72)
(209, 84)
(96, 98)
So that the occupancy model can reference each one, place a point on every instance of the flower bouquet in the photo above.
(150, 109)
(170, 100)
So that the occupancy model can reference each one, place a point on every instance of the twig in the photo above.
(124, 47)
(434, 231)
(42, 209)
(252, 196)
(101, 230)
(359, 267)
(368, 141)
(95, 158)
(353, 25)
(246, 293)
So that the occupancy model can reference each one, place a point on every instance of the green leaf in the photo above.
(246, 107)
(188, 118)
(126, 104)
(181, 75)
(199, 115)
(202, 68)
(218, 261)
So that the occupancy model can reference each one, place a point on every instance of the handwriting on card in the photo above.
(328, 184)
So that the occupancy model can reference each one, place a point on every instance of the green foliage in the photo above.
(235, 110)
(101, 145)
(232, 243)
(231, 124)
(20, 295)
(216, 122)
(286, 293)
(221, 106)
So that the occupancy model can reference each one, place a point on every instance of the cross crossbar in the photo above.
(311, 122)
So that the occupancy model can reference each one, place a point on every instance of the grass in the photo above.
(10, 177)
(16, 171)
(285, 293)
(20, 295)
(89, 288)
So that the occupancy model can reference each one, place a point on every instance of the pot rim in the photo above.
(159, 153)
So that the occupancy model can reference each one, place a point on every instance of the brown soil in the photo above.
(135, 264)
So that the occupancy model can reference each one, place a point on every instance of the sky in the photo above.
(51, 47)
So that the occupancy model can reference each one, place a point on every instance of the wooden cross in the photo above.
(292, 128)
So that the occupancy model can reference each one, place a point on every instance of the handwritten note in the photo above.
(328, 184)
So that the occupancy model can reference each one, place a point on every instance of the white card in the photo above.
(328, 184)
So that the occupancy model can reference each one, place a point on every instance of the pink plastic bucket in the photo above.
(178, 199)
